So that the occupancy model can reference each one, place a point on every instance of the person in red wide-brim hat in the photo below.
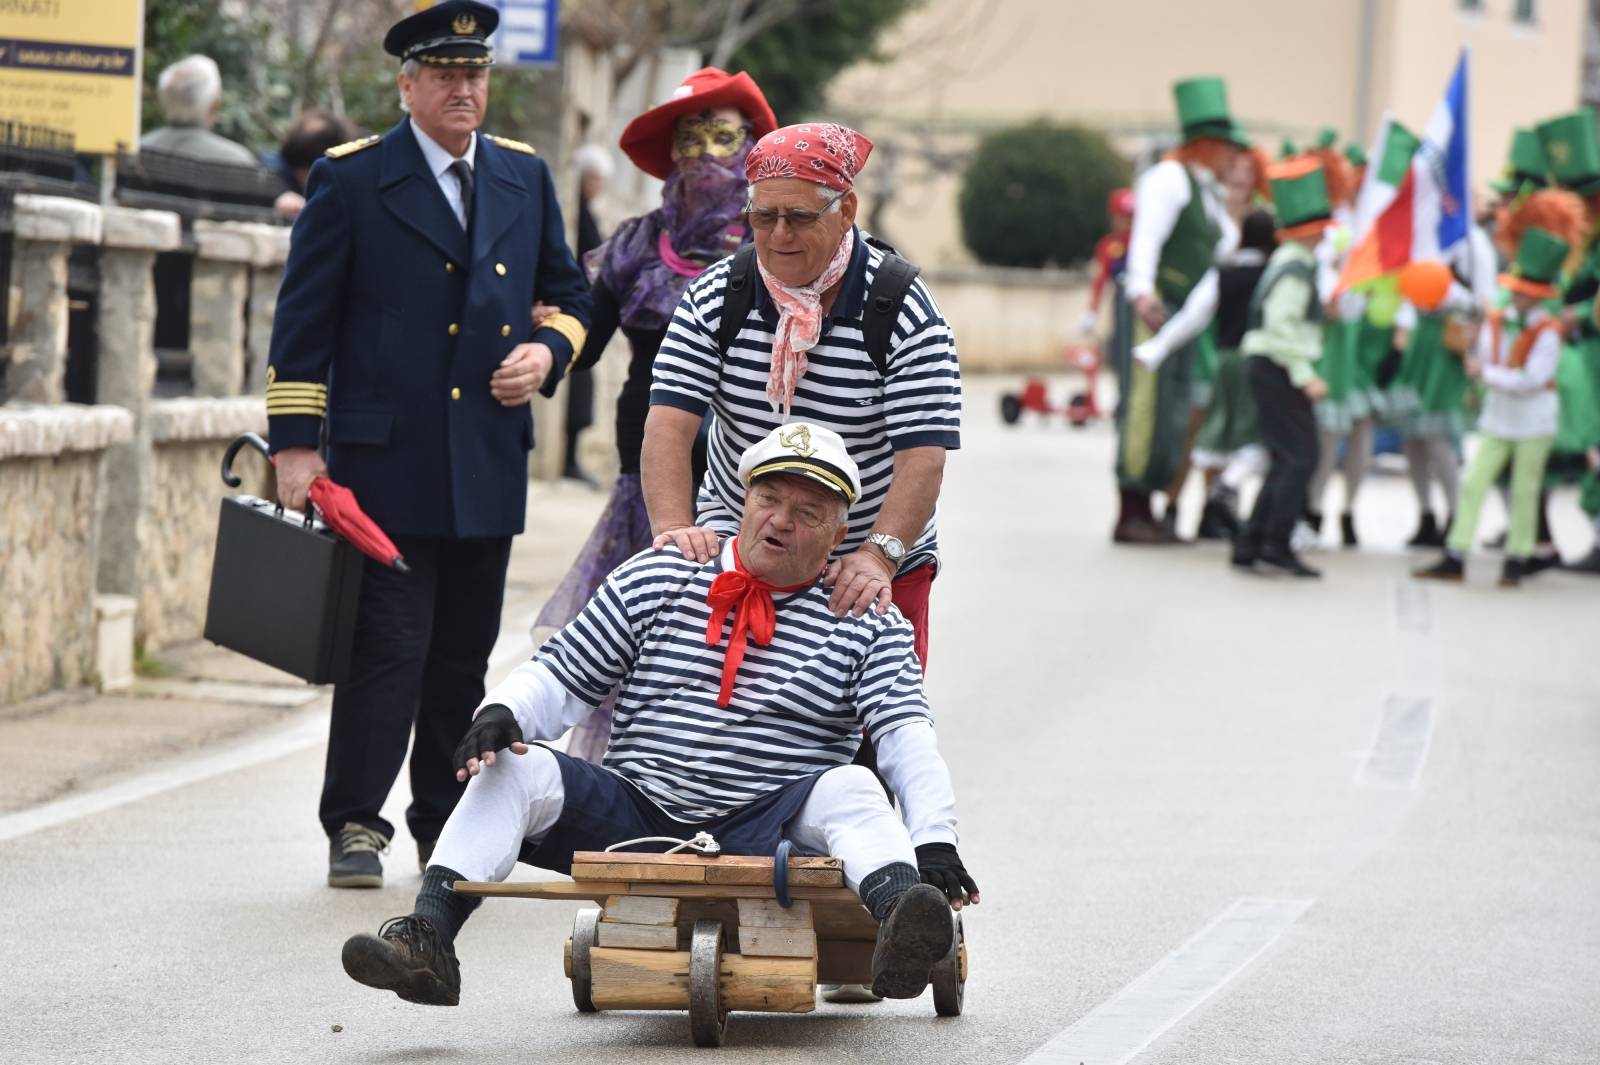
(648, 139)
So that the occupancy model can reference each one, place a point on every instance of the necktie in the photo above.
(463, 174)
(749, 600)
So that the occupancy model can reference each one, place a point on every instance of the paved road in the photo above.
(1216, 819)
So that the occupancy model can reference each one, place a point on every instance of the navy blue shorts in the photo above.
(601, 808)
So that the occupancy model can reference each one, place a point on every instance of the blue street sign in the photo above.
(527, 33)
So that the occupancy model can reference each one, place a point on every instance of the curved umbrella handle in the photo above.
(230, 478)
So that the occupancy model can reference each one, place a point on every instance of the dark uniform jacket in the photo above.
(389, 326)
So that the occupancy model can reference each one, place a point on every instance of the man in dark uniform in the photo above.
(404, 341)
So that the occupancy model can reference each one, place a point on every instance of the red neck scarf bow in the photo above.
(749, 600)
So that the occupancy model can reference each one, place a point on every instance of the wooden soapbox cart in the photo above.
(710, 935)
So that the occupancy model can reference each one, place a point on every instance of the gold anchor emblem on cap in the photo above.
(1560, 152)
(798, 440)
(464, 24)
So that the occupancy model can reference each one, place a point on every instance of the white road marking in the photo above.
(1413, 608)
(309, 730)
(1400, 749)
(1123, 1026)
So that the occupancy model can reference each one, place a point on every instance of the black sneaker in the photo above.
(1428, 533)
(353, 857)
(1217, 521)
(408, 958)
(424, 853)
(1512, 570)
(1347, 530)
(1244, 552)
(918, 932)
(1541, 561)
(1282, 560)
(1448, 568)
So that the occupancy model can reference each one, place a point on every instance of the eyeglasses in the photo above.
(766, 218)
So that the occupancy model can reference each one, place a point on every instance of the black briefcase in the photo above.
(283, 591)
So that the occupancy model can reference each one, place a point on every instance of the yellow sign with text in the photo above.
(72, 67)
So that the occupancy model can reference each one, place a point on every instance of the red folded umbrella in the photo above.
(344, 515)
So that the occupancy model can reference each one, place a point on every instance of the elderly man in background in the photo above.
(190, 91)
(803, 350)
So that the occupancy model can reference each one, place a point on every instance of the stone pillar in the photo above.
(50, 476)
(127, 372)
(46, 227)
(223, 253)
(266, 277)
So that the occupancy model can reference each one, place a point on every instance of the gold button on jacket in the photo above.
(500, 268)
(449, 267)
(455, 393)
(505, 330)
(455, 327)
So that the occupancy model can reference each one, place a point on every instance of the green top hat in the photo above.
(1355, 155)
(1203, 111)
(1526, 165)
(1299, 194)
(1328, 137)
(1539, 258)
(1573, 151)
(1287, 149)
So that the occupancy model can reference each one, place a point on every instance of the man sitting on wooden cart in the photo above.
(741, 698)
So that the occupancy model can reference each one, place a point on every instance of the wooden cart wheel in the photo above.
(584, 929)
(949, 976)
(1010, 409)
(708, 1021)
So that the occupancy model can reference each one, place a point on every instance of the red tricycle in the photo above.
(1081, 407)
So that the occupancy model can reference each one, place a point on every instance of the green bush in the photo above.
(1036, 194)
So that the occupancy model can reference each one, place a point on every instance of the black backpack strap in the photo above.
(738, 297)
(882, 309)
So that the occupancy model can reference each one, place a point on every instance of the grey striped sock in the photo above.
(882, 888)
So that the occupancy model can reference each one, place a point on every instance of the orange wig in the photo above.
(1339, 175)
(1556, 211)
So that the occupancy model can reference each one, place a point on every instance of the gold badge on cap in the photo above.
(1560, 152)
(798, 440)
(464, 24)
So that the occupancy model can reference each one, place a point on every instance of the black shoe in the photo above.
(1448, 568)
(1512, 570)
(1428, 533)
(1217, 521)
(1169, 526)
(406, 957)
(1547, 559)
(1347, 530)
(1245, 551)
(353, 857)
(1283, 560)
(424, 853)
(1589, 563)
(1313, 519)
(918, 932)
(574, 472)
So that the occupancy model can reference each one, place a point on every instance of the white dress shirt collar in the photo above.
(438, 159)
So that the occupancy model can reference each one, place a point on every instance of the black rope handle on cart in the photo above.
(780, 873)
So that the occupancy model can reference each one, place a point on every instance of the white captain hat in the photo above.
(804, 450)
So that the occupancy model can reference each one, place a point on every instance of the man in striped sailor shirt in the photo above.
(802, 353)
(741, 697)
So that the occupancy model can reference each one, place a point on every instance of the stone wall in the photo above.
(50, 463)
(1011, 320)
(180, 505)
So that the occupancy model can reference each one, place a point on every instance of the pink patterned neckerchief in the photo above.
(799, 323)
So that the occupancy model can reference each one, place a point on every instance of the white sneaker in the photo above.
(849, 994)
(1304, 538)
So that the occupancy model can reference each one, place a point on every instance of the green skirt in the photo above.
(1351, 352)
(1432, 384)
(1231, 415)
(1204, 368)
(1578, 384)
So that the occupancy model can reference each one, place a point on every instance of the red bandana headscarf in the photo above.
(832, 156)
(749, 600)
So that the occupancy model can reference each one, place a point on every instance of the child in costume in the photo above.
(696, 142)
(1517, 352)
(1282, 347)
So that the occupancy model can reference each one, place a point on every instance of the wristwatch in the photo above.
(892, 548)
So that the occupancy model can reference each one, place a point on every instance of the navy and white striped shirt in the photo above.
(798, 704)
(916, 402)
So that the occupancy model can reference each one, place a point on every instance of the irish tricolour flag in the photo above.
(1415, 202)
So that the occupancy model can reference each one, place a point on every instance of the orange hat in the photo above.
(647, 140)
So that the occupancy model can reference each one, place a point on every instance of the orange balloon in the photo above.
(1425, 283)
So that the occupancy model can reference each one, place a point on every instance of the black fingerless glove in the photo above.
(941, 866)
(494, 729)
